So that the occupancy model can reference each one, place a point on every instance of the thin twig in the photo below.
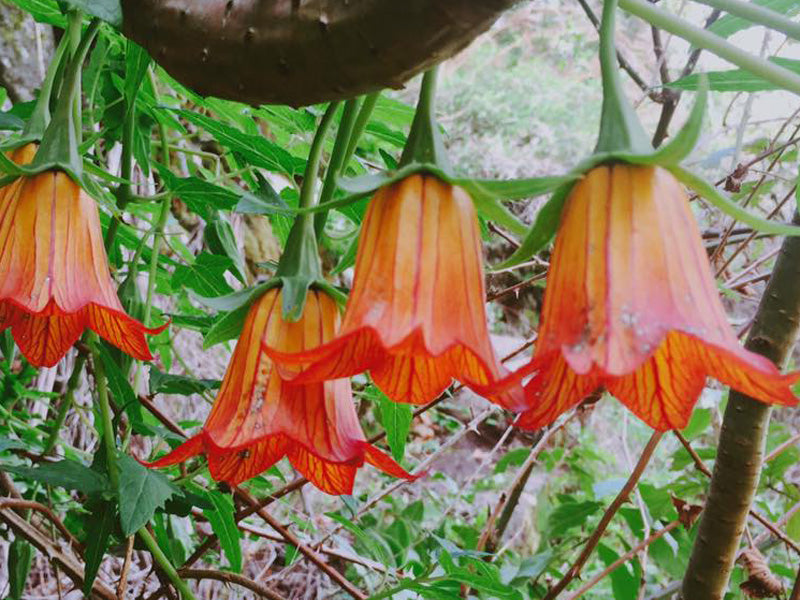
(592, 542)
(126, 567)
(623, 559)
(310, 554)
(16, 504)
(227, 577)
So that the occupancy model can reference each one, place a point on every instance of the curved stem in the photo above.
(308, 197)
(424, 144)
(740, 450)
(337, 162)
(361, 124)
(620, 129)
(106, 423)
(705, 39)
(166, 566)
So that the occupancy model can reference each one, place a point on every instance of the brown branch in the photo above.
(515, 287)
(122, 585)
(310, 554)
(782, 447)
(71, 566)
(226, 577)
(17, 505)
(592, 542)
(623, 559)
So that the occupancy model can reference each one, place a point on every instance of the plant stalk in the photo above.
(741, 444)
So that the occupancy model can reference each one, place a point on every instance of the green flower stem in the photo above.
(61, 139)
(166, 566)
(757, 14)
(424, 144)
(702, 38)
(308, 196)
(40, 118)
(620, 129)
(125, 189)
(66, 403)
(109, 441)
(360, 125)
(337, 161)
(106, 423)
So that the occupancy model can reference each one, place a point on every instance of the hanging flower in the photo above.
(631, 306)
(54, 278)
(258, 418)
(415, 317)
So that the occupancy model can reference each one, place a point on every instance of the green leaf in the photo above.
(730, 24)
(543, 230)
(221, 517)
(227, 328)
(122, 391)
(728, 206)
(220, 240)
(698, 424)
(376, 549)
(255, 149)
(68, 474)
(682, 144)
(735, 80)
(206, 276)
(166, 383)
(624, 583)
(98, 533)
(9, 122)
(141, 492)
(515, 457)
(396, 420)
(198, 194)
(20, 559)
(569, 515)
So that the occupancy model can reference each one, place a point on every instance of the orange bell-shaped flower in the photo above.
(258, 418)
(415, 317)
(631, 306)
(54, 278)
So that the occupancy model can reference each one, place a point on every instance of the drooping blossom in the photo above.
(415, 318)
(258, 418)
(54, 277)
(631, 306)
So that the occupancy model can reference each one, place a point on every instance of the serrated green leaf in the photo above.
(227, 328)
(569, 515)
(396, 420)
(255, 149)
(68, 474)
(166, 383)
(206, 276)
(223, 524)
(20, 559)
(141, 492)
(122, 391)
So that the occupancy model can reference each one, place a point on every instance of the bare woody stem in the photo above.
(741, 445)
(592, 542)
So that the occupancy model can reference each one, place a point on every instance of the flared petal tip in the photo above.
(385, 463)
(190, 448)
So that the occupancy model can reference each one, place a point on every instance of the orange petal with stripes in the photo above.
(258, 418)
(631, 305)
(54, 277)
(415, 317)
